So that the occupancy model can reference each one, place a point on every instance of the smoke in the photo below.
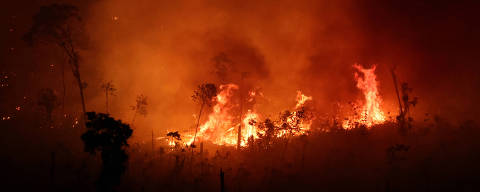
(164, 49)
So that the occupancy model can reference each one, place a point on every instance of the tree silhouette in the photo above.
(175, 137)
(267, 131)
(203, 95)
(109, 89)
(59, 24)
(109, 137)
(48, 100)
(404, 102)
(404, 117)
(140, 107)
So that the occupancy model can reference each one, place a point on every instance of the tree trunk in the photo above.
(239, 135)
(401, 116)
(64, 88)
(396, 90)
(198, 123)
(222, 180)
(79, 82)
(82, 96)
(67, 45)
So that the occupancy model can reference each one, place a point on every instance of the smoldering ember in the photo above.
(239, 96)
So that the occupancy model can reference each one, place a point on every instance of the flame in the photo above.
(300, 125)
(251, 95)
(219, 127)
(301, 99)
(171, 142)
(371, 113)
(249, 128)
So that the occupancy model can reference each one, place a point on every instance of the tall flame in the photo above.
(249, 128)
(220, 119)
(371, 113)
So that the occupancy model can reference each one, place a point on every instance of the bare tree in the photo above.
(60, 24)
(140, 107)
(404, 102)
(404, 118)
(203, 95)
(109, 89)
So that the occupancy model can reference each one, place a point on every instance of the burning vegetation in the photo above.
(228, 125)
(276, 103)
(370, 112)
(224, 128)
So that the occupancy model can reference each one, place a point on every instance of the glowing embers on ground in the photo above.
(370, 113)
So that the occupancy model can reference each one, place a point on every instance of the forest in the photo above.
(236, 96)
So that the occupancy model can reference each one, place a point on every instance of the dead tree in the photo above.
(239, 132)
(396, 89)
(203, 95)
(60, 24)
(404, 102)
(109, 89)
(140, 107)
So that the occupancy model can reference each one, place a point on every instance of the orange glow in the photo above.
(301, 99)
(299, 124)
(371, 113)
(171, 142)
(249, 128)
(219, 127)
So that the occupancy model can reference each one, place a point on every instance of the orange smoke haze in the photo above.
(164, 49)
(307, 83)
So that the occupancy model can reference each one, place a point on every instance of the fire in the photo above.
(301, 99)
(298, 120)
(222, 127)
(371, 113)
(249, 128)
(171, 142)
(219, 126)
